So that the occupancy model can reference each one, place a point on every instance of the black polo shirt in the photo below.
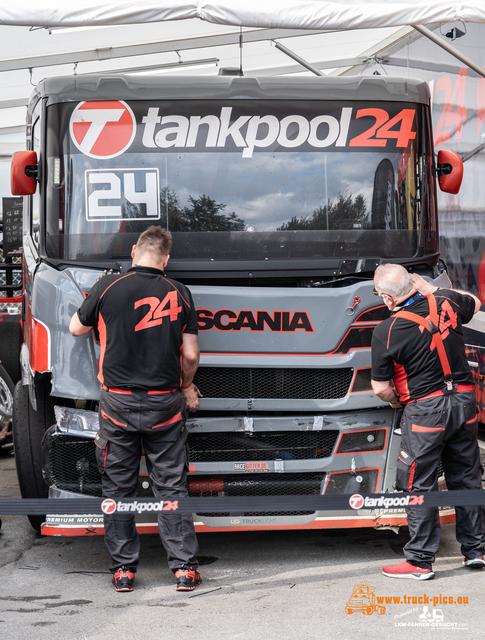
(141, 318)
(403, 351)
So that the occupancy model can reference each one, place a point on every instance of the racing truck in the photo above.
(282, 195)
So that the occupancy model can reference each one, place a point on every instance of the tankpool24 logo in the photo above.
(102, 129)
(356, 501)
(110, 506)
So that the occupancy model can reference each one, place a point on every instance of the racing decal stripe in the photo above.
(107, 417)
(176, 418)
(77, 530)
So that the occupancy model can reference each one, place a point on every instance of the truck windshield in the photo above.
(237, 180)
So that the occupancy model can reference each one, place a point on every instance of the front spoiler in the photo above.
(92, 525)
(73, 526)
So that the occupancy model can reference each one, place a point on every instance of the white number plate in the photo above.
(122, 194)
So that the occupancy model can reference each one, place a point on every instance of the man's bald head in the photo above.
(394, 280)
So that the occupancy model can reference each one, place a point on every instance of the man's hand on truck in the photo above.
(191, 395)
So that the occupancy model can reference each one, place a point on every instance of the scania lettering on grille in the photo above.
(251, 466)
(228, 320)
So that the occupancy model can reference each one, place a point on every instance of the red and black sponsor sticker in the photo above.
(251, 466)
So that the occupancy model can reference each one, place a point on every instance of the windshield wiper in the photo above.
(329, 283)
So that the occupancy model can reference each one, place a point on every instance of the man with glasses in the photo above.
(419, 363)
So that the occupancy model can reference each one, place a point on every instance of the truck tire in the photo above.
(29, 427)
(10, 342)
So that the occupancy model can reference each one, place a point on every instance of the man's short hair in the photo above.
(155, 240)
(394, 280)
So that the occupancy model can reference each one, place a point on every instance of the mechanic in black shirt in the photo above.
(147, 329)
(424, 369)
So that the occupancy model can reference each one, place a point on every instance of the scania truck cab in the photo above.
(283, 195)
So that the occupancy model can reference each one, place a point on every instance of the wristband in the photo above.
(187, 386)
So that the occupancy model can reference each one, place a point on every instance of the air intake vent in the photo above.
(261, 445)
(265, 383)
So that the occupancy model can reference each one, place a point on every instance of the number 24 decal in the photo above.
(381, 128)
(167, 308)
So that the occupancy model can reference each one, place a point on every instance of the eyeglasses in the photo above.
(381, 293)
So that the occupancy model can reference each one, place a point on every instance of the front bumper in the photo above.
(261, 455)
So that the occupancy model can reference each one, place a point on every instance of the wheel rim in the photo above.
(6, 402)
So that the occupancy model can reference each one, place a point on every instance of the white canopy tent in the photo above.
(281, 14)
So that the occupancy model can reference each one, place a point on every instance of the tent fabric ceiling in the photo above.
(287, 14)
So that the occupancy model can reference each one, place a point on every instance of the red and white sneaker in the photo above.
(407, 570)
(474, 563)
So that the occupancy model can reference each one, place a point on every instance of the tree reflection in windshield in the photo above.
(346, 213)
(204, 214)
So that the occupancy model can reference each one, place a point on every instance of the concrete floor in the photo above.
(262, 585)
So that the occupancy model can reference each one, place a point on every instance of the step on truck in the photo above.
(283, 195)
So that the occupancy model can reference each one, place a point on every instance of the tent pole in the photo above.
(451, 50)
(297, 58)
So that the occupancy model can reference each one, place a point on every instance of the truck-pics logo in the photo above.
(227, 320)
(102, 129)
(363, 600)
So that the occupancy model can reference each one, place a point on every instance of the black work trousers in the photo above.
(443, 426)
(126, 421)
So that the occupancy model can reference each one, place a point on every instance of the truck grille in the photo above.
(266, 484)
(71, 464)
(266, 383)
(261, 445)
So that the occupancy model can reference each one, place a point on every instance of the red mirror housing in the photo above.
(21, 182)
(450, 171)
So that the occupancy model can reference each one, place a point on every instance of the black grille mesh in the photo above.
(266, 383)
(72, 465)
(273, 445)
(257, 484)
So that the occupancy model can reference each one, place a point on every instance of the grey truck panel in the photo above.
(58, 294)
(98, 87)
